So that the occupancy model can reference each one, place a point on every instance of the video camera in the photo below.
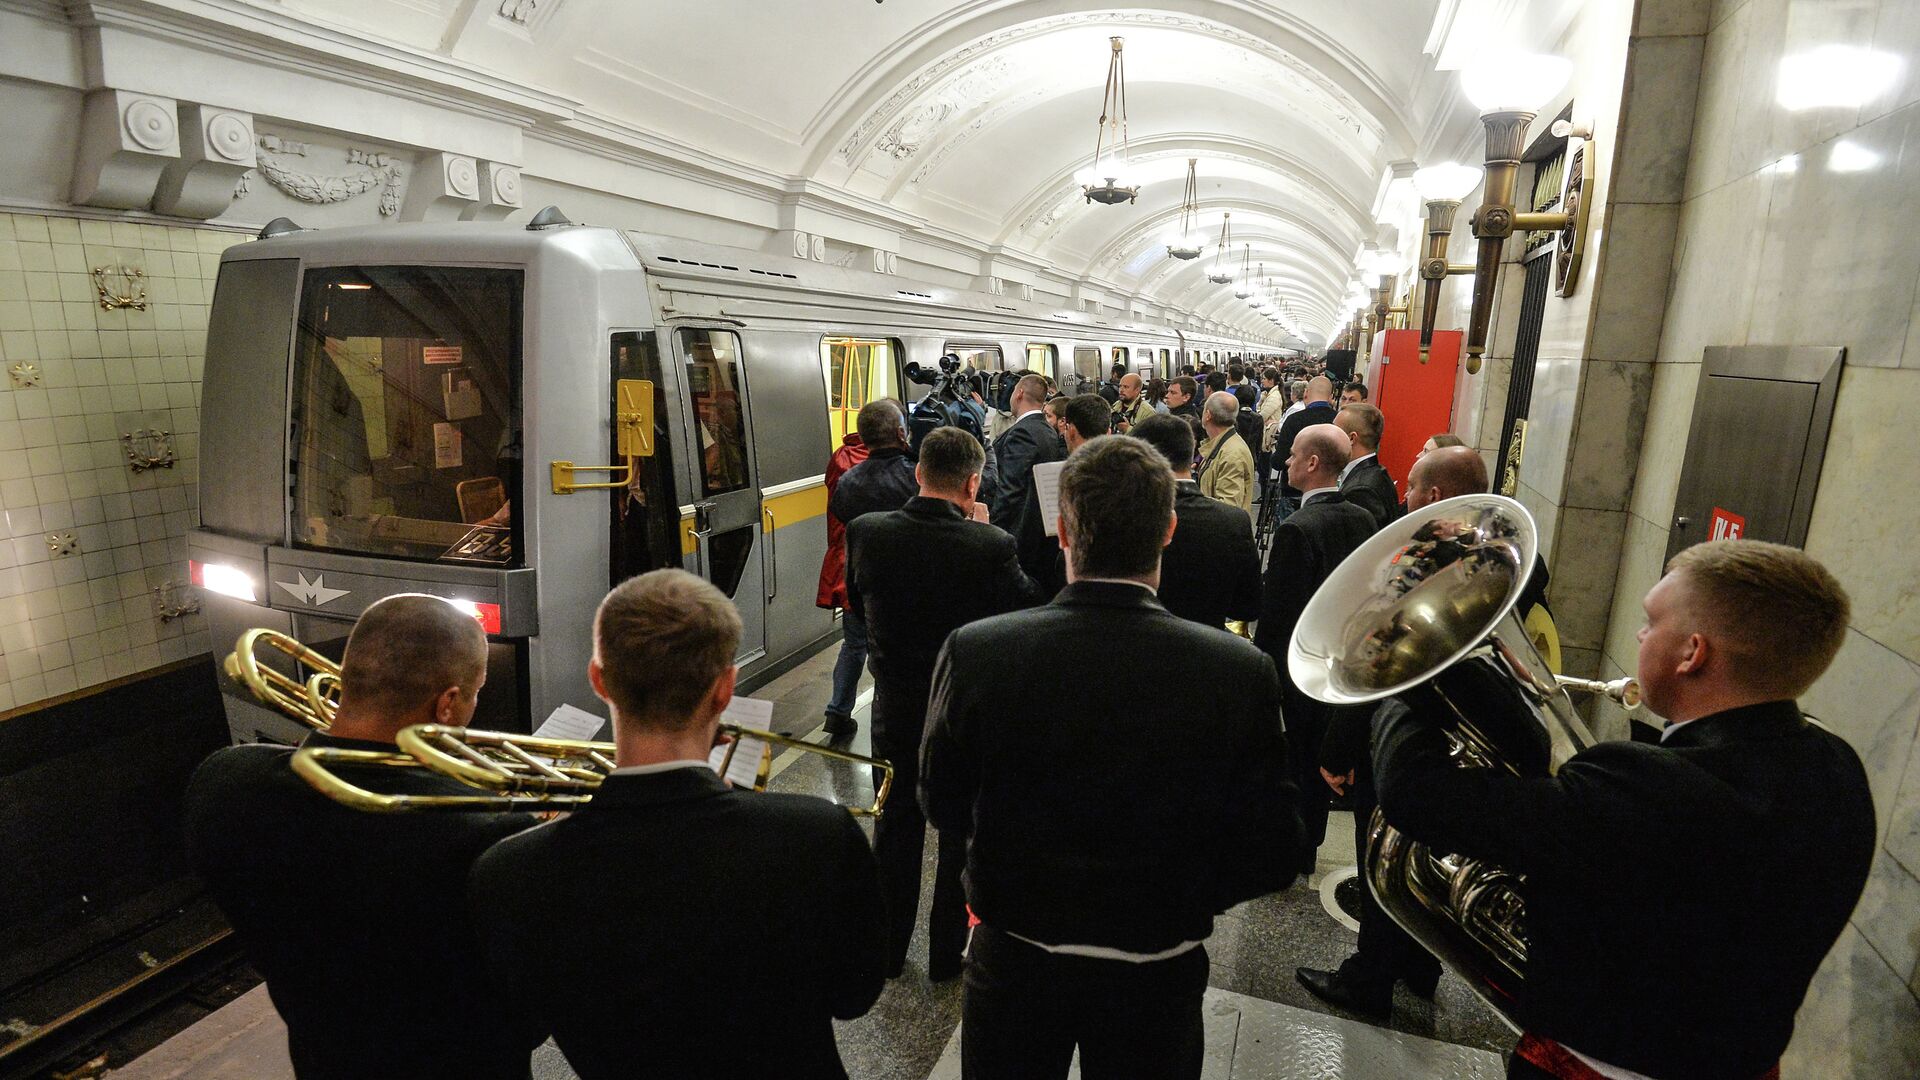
(949, 402)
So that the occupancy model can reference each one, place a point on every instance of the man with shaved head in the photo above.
(1226, 461)
(1316, 408)
(1365, 480)
(1132, 407)
(1027, 442)
(358, 921)
(1306, 547)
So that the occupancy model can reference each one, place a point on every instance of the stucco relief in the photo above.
(969, 89)
(974, 127)
(377, 172)
(1301, 75)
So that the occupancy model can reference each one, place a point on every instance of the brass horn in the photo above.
(1426, 609)
(507, 771)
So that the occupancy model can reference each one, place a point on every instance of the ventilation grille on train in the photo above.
(907, 292)
(722, 266)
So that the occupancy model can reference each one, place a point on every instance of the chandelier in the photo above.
(1186, 240)
(1243, 287)
(1222, 272)
(1104, 181)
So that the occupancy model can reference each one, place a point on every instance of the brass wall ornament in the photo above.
(149, 448)
(1571, 245)
(121, 287)
(63, 544)
(24, 373)
(1510, 479)
(174, 600)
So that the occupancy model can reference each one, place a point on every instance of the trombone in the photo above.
(507, 771)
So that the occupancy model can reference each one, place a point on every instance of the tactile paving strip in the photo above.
(1250, 1039)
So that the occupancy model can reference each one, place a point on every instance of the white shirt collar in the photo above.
(1122, 581)
(1671, 728)
(1354, 463)
(1305, 495)
(660, 767)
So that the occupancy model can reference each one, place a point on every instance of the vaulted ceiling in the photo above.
(973, 116)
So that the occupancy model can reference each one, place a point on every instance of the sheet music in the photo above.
(569, 722)
(749, 713)
(1046, 488)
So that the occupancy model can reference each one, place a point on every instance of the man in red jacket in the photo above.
(833, 593)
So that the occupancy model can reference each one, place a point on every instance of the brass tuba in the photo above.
(1426, 609)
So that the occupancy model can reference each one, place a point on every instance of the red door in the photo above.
(1416, 397)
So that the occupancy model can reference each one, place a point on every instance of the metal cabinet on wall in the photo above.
(1754, 450)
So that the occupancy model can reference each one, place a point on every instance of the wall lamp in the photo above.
(1442, 187)
(1509, 91)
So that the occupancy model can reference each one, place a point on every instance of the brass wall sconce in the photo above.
(1509, 91)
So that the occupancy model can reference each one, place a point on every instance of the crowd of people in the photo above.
(1089, 828)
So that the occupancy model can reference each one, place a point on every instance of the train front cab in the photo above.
(382, 408)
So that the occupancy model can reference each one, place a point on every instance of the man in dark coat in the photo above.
(1365, 481)
(1680, 896)
(881, 481)
(1096, 886)
(1317, 408)
(917, 574)
(1306, 548)
(359, 921)
(632, 924)
(1210, 570)
(1027, 442)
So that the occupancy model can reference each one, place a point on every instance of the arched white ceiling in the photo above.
(972, 116)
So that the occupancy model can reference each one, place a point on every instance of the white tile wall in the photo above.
(77, 620)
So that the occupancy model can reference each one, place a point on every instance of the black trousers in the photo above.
(1386, 951)
(1306, 722)
(1025, 1009)
(899, 840)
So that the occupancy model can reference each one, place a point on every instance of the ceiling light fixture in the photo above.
(1104, 181)
(1222, 273)
(1243, 286)
(1186, 241)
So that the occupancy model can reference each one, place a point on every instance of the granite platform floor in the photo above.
(1260, 1021)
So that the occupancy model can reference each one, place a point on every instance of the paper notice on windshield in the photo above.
(748, 753)
(1046, 488)
(569, 722)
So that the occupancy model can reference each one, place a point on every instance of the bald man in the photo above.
(358, 921)
(1316, 408)
(1133, 405)
(1306, 548)
(1225, 472)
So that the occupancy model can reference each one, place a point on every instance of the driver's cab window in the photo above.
(714, 384)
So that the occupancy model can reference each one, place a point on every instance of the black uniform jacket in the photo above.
(1114, 799)
(358, 921)
(1368, 485)
(916, 575)
(882, 482)
(1028, 442)
(1314, 412)
(1211, 571)
(1680, 896)
(674, 927)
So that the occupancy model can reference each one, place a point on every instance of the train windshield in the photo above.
(406, 413)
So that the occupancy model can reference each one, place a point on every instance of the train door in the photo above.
(728, 548)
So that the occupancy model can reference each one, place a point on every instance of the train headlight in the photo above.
(222, 578)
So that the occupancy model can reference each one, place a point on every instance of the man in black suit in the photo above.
(1027, 442)
(1306, 548)
(674, 926)
(1082, 417)
(1111, 820)
(916, 574)
(1679, 896)
(1210, 570)
(358, 921)
(1317, 408)
(1365, 481)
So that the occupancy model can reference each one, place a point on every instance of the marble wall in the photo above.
(91, 548)
(1796, 228)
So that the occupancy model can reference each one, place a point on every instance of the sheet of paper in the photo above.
(569, 722)
(1046, 488)
(749, 713)
(446, 446)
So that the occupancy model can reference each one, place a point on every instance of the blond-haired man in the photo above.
(1680, 895)
(637, 924)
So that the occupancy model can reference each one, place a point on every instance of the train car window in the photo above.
(646, 514)
(406, 413)
(857, 370)
(713, 379)
(1166, 360)
(977, 357)
(1041, 358)
(1120, 357)
(1086, 369)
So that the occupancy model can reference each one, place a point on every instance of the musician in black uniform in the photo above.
(915, 575)
(1108, 828)
(1679, 896)
(358, 921)
(1365, 481)
(673, 926)
(1210, 571)
(1027, 442)
(1307, 546)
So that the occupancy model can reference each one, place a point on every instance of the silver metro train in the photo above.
(517, 418)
